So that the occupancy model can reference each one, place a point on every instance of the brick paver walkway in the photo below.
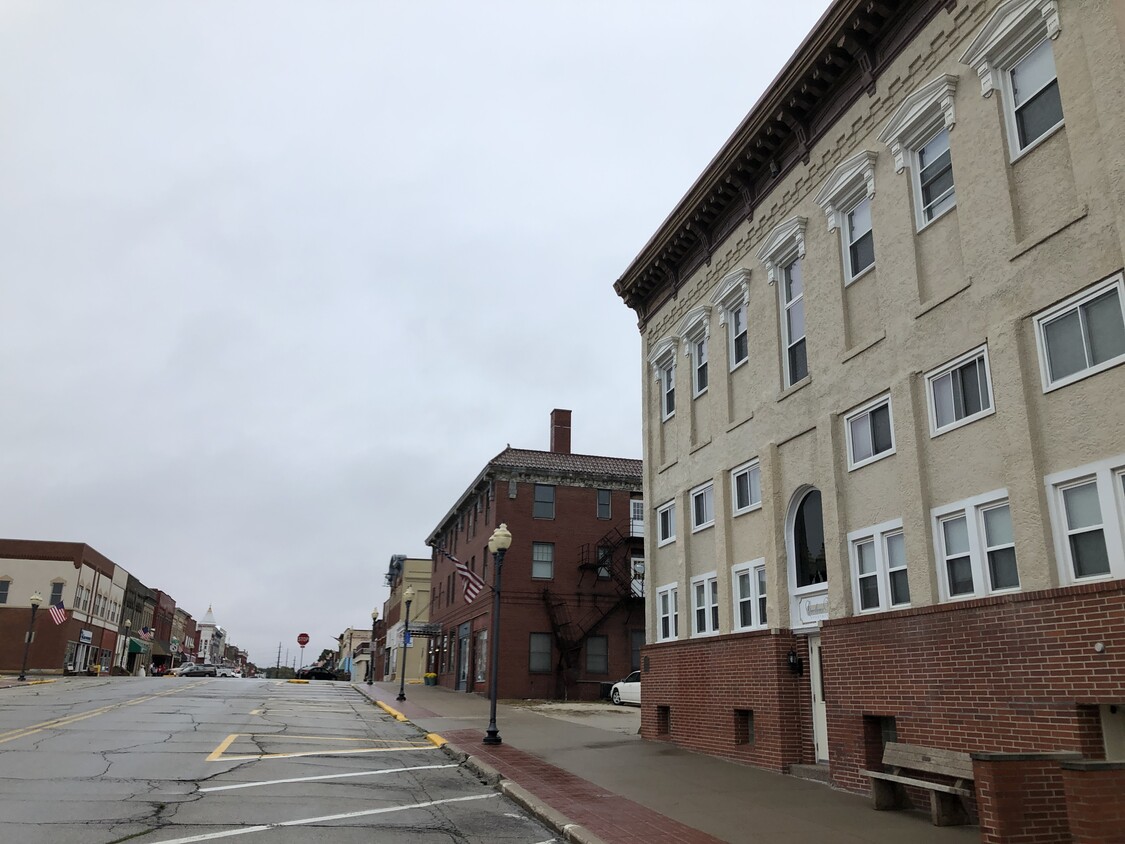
(609, 816)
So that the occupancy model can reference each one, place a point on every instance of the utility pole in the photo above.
(278, 668)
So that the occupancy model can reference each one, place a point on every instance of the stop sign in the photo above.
(303, 639)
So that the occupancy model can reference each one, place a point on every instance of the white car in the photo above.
(228, 671)
(627, 690)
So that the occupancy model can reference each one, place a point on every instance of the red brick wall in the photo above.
(1021, 798)
(1017, 673)
(1095, 801)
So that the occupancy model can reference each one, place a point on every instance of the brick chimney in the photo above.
(560, 431)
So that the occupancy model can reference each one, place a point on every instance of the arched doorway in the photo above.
(808, 593)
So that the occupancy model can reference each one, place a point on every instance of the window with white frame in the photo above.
(870, 433)
(1083, 335)
(960, 391)
(918, 136)
(749, 584)
(5, 584)
(1087, 508)
(668, 613)
(666, 523)
(846, 201)
(698, 349)
(703, 506)
(695, 328)
(542, 560)
(705, 604)
(731, 298)
(975, 547)
(878, 556)
(746, 487)
(663, 362)
(1013, 53)
(782, 253)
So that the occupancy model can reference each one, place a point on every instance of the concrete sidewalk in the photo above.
(590, 779)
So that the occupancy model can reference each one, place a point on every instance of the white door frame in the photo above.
(819, 707)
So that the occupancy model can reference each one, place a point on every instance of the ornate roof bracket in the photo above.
(863, 57)
(700, 230)
(800, 130)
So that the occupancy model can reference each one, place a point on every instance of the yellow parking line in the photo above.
(223, 745)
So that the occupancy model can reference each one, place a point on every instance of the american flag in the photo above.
(471, 584)
(58, 613)
(146, 634)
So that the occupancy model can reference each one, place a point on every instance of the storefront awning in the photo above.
(159, 648)
(137, 646)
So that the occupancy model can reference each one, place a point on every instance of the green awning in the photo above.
(137, 646)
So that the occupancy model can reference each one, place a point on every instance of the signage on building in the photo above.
(86, 637)
(813, 608)
(424, 629)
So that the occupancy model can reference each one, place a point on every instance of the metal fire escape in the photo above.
(574, 618)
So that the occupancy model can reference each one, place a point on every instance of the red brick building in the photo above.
(572, 598)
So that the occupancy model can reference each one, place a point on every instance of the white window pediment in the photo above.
(1013, 27)
(696, 323)
(662, 353)
(921, 113)
(785, 242)
(733, 290)
(848, 182)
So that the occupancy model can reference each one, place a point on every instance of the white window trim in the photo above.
(710, 583)
(694, 327)
(1111, 499)
(671, 589)
(867, 407)
(660, 541)
(877, 534)
(697, 491)
(662, 358)
(734, 473)
(785, 244)
(733, 293)
(1041, 319)
(1015, 28)
(923, 114)
(848, 185)
(749, 568)
(944, 369)
(971, 509)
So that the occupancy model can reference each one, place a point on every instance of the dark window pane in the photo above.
(881, 428)
(960, 576)
(900, 588)
(798, 366)
(970, 389)
(1089, 553)
(1002, 567)
(1066, 353)
(742, 490)
(868, 593)
(1039, 114)
(1105, 327)
(701, 378)
(808, 542)
(863, 253)
(740, 351)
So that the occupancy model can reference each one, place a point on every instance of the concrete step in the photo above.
(816, 773)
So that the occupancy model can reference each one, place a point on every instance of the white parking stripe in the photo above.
(211, 836)
(326, 777)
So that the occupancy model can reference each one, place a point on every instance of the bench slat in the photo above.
(932, 786)
(950, 763)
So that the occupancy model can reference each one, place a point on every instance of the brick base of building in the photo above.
(1021, 673)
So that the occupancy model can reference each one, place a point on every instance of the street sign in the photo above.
(424, 629)
(303, 639)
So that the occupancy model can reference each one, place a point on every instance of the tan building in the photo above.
(405, 573)
(884, 411)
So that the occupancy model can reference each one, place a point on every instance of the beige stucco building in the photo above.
(405, 573)
(883, 398)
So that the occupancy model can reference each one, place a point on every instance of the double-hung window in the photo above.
(1013, 54)
(846, 200)
(918, 135)
(730, 301)
(1083, 335)
(605, 500)
(668, 390)
(699, 365)
(705, 605)
(56, 593)
(539, 653)
(782, 253)
(695, 328)
(597, 654)
(543, 506)
(5, 584)
(878, 556)
(668, 613)
(749, 584)
(870, 433)
(1087, 508)
(975, 547)
(739, 348)
(542, 560)
(703, 506)
(666, 523)
(959, 391)
(746, 487)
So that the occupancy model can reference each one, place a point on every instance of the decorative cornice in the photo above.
(1014, 26)
(732, 289)
(920, 113)
(852, 178)
(787, 239)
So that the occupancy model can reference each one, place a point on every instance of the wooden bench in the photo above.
(946, 806)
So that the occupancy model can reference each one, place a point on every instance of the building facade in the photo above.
(572, 591)
(883, 400)
(402, 654)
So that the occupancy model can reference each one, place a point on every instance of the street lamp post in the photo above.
(36, 600)
(498, 544)
(408, 596)
(371, 648)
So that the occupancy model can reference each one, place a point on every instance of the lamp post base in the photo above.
(492, 735)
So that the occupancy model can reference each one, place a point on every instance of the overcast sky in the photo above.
(279, 278)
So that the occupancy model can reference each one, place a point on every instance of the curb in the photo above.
(487, 774)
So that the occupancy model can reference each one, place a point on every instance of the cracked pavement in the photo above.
(100, 761)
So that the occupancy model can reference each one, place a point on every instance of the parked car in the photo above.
(627, 690)
(316, 673)
(179, 669)
(228, 671)
(203, 669)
